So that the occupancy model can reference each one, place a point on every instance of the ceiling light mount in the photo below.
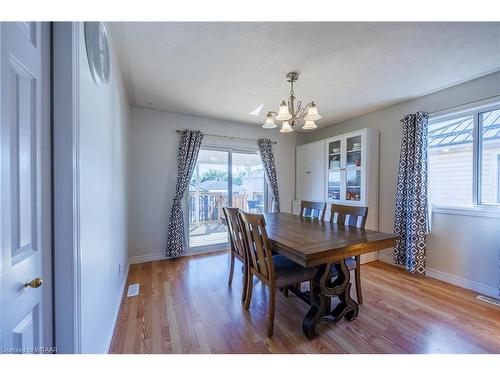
(291, 113)
(292, 77)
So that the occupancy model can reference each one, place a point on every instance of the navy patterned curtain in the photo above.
(411, 214)
(267, 156)
(189, 147)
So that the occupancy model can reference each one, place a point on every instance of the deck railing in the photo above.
(207, 206)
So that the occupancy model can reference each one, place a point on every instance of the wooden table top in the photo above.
(310, 242)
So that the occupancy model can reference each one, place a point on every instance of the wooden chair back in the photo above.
(235, 231)
(313, 209)
(258, 246)
(349, 215)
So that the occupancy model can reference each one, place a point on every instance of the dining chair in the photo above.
(237, 245)
(310, 209)
(252, 204)
(274, 271)
(353, 217)
(313, 209)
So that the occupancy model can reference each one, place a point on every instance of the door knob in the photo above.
(35, 283)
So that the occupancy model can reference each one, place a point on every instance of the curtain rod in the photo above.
(460, 105)
(229, 137)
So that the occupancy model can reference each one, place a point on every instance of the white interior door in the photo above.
(25, 236)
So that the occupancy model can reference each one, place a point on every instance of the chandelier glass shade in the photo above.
(309, 125)
(312, 113)
(285, 127)
(290, 113)
(269, 123)
(283, 112)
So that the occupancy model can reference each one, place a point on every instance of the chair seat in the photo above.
(287, 272)
(238, 256)
(350, 263)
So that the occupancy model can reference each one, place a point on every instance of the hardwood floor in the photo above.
(185, 306)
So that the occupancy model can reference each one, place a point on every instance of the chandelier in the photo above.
(290, 114)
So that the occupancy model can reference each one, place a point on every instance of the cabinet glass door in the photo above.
(353, 168)
(334, 170)
(333, 185)
(334, 158)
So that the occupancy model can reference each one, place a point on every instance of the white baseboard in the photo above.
(152, 257)
(107, 345)
(464, 283)
(386, 259)
(450, 279)
(370, 257)
(146, 258)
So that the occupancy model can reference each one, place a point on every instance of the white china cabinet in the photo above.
(341, 170)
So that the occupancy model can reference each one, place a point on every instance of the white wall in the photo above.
(461, 249)
(104, 113)
(153, 166)
(91, 127)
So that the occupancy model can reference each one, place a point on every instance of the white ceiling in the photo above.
(226, 70)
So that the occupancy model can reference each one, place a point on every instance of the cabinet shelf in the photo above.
(348, 169)
(353, 151)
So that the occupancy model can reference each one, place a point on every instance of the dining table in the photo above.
(311, 242)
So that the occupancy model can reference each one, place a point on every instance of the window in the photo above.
(450, 161)
(489, 146)
(464, 157)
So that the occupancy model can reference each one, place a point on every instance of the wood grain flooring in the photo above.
(185, 306)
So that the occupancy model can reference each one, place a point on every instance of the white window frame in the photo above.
(496, 174)
(477, 208)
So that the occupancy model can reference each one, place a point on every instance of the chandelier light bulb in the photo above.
(286, 128)
(283, 113)
(309, 125)
(269, 123)
(312, 113)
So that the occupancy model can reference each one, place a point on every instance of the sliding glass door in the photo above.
(208, 193)
(222, 177)
(248, 182)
